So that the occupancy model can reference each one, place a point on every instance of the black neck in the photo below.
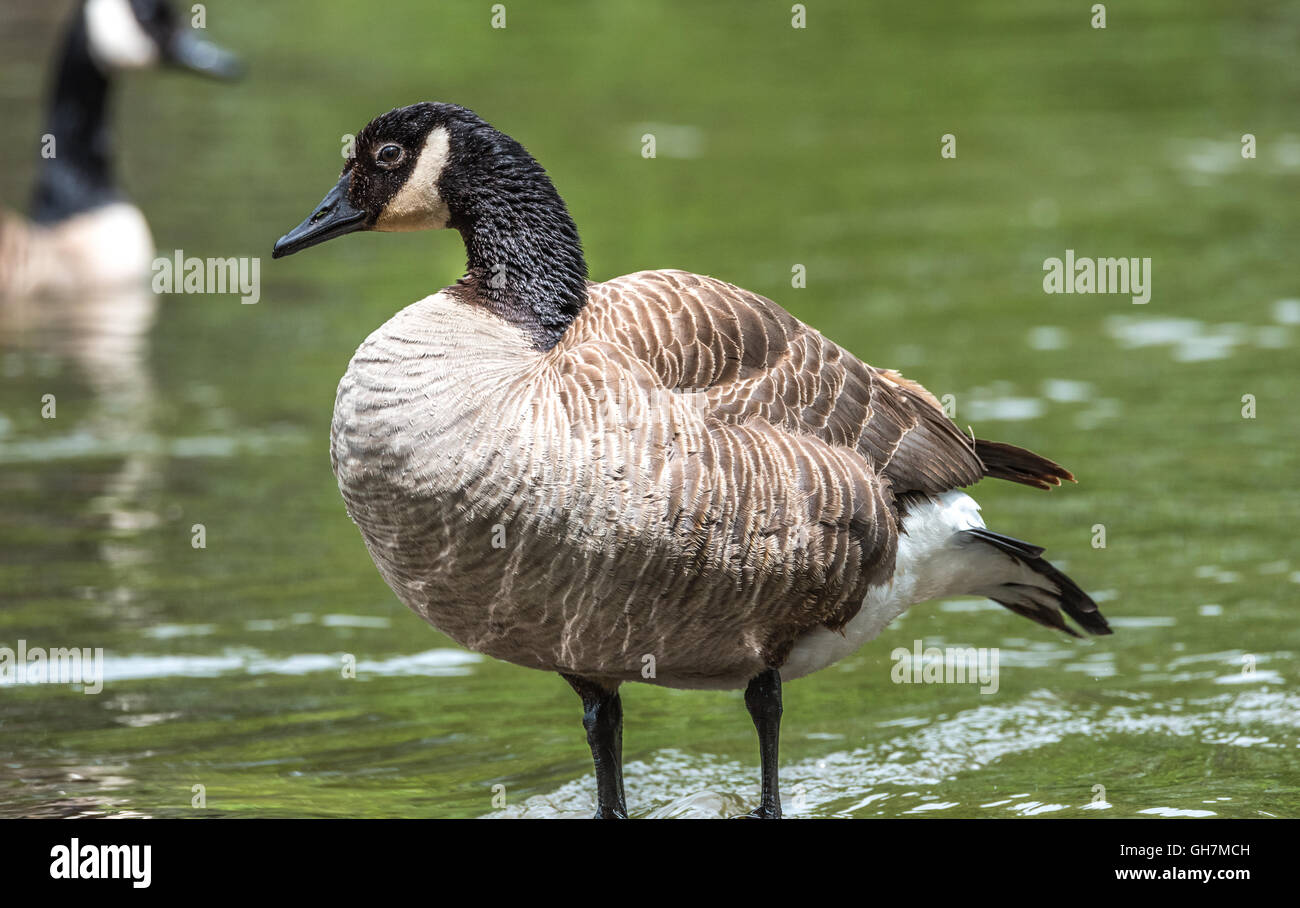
(80, 175)
(525, 260)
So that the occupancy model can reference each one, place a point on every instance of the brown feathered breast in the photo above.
(687, 482)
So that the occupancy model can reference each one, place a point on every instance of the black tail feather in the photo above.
(1009, 544)
(1018, 465)
(1036, 603)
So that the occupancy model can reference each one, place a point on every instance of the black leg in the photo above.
(763, 700)
(602, 716)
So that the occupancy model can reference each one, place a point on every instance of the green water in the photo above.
(776, 147)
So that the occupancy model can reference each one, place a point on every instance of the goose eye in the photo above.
(389, 155)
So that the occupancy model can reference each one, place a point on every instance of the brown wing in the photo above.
(812, 455)
(752, 359)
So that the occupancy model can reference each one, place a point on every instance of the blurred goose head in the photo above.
(82, 232)
(140, 34)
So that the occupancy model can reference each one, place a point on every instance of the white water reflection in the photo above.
(1004, 409)
(898, 774)
(242, 660)
(1176, 812)
(1067, 391)
(1287, 312)
(84, 444)
(1204, 160)
(1192, 340)
(1048, 337)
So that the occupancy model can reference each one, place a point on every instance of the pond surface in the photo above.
(775, 147)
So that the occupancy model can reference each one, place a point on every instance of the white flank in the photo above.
(931, 563)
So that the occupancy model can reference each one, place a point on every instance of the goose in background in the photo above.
(74, 282)
(83, 233)
(660, 478)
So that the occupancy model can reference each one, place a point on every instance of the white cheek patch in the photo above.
(116, 39)
(417, 205)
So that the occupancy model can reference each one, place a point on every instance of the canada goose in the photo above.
(83, 233)
(659, 478)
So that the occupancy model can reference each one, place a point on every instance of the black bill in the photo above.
(188, 51)
(334, 216)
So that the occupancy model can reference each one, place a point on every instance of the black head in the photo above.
(423, 167)
(138, 34)
(430, 166)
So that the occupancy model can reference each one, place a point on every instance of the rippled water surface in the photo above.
(776, 147)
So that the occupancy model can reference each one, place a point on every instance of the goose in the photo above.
(661, 478)
(82, 233)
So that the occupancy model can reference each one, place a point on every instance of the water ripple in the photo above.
(849, 782)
